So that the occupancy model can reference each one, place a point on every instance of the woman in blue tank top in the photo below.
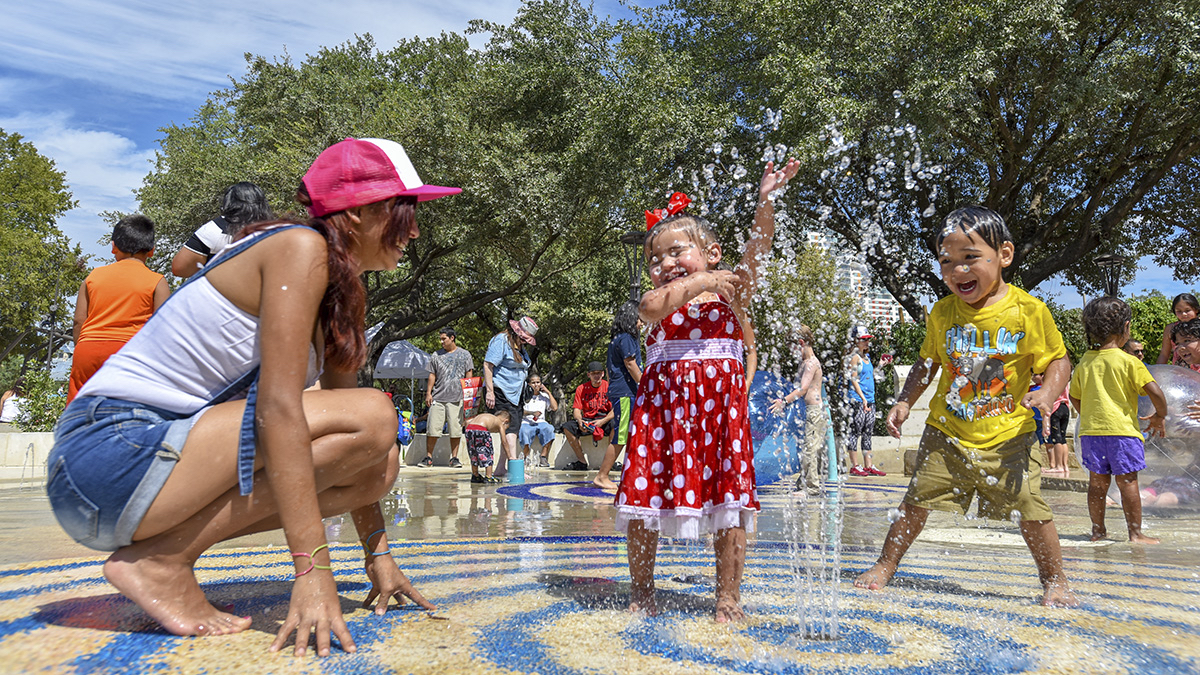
(158, 484)
(862, 405)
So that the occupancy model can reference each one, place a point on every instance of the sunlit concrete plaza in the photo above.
(533, 578)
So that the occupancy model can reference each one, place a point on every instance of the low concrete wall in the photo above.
(24, 456)
(560, 452)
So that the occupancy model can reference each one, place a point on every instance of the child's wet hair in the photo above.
(972, 221)
(696, 228)
(1189, 328)
(1105, 317)
(505, 414)
(1187, 299)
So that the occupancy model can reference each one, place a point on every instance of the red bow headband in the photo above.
(679, 202)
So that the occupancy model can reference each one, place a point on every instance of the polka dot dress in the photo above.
(689, 466)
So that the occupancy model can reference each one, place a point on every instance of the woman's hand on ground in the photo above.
(387, 581)
(315, 608)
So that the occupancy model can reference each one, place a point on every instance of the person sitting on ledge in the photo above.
(593, 414)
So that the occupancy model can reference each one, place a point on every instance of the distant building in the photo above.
(874, 302)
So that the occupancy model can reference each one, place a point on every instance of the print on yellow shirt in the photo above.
(979, 386)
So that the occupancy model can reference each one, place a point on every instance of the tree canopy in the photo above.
(39, 267)
(1074, 119)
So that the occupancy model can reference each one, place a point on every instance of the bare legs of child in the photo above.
(730, 548)
(602, 480)
(355, 462)
(643, 550)
(1131, 503)
(1040, 536)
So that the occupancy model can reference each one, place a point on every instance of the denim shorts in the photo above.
(109, 461)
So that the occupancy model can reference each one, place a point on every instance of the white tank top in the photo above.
(189, 351)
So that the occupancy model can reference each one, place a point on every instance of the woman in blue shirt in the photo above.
(506, 367)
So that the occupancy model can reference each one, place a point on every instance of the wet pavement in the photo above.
(532, 578)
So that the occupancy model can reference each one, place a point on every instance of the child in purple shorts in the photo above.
(1107, 382)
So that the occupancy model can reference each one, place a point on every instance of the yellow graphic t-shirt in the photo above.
(1107, 383)
(987, 358)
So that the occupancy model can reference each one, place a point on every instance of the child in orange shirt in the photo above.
(116, 300)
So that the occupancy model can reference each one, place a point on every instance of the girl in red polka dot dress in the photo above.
(689, 467)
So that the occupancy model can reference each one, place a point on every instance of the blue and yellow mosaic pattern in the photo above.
(555, 605)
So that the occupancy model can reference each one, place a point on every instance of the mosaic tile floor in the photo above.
(529, 579)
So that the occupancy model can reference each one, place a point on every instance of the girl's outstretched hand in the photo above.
(773, 180)
(314, 609)
(1193, 411)
(387, 581)
(1157, 427)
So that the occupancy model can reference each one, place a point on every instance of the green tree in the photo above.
(1074, 119)
(1070, 324)
(555, 130)
(1151, 316)
(39, 267)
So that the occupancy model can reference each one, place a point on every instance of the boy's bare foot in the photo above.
(642, 600)
(875, 578)
(728, 610)
(1139, 538)
(169, 593)
(1058, 594)
(1099, 533)
(603, 482)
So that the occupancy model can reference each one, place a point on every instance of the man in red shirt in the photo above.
(593, 414)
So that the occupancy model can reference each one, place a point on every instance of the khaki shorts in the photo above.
(1007, 477)
(439, 413)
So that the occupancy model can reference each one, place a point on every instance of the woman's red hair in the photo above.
(343, 308)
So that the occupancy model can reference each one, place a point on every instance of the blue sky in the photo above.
(90, 82)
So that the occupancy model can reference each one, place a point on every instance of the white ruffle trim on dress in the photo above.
(684, 523)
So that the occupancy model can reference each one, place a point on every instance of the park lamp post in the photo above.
(1110, 272)
(635, 260)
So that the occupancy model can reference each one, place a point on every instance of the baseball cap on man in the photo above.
(356, 172)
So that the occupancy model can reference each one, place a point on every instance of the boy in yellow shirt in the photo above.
(987, 338)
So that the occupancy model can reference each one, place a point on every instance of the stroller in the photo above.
(404, 426)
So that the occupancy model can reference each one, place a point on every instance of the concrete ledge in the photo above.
(23, 455)
(560, 451)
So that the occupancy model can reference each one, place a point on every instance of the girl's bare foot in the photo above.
(169, 593)
(603, 482)
(875, 578)
(1139, 538)
(1099, 533)
(1058, 594)
(728, 610)
(641, 600)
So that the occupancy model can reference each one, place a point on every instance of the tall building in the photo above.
(874, 303)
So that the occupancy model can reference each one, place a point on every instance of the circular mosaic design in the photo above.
(557, 606)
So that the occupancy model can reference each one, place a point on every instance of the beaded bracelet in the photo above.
(312, 565)
(367, 547)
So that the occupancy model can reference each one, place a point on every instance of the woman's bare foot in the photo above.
(728, 610)
(1099, 533)
(603, 482)
(170, 594)
(1058, 594)
(1139, 538)
(642, 600)
(875, 578)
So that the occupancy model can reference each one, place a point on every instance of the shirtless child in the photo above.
(479, 443)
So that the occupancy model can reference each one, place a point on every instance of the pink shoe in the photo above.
(859, 471)
(874, 471)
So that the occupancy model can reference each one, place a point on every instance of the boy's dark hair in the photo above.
(244, 203)
(1104, 317)
(1189, 328)
(625, 319)
(975, 220)
(134, 234)
(1187, 299)
(505, 414)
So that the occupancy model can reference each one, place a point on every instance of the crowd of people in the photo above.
(179, 435)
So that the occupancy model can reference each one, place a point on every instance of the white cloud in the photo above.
(181, 51)
(102, 169)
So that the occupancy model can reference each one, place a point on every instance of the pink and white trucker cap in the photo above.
(355, 172)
